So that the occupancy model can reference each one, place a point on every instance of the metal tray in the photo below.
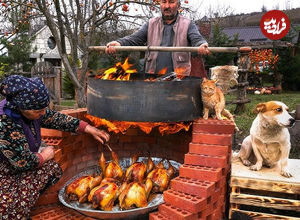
(116, 213)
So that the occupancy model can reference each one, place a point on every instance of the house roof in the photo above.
(246, 34)
(254, 34)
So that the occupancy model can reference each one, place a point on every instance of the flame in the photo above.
(180, 72)
(163, 71)
(118, 72)
(173, 128)
(146, 127)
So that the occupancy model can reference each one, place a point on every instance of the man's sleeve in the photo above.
(138, 38)
(194, 37)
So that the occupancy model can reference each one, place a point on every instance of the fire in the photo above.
(180, 72)
(123, 126)
(118, 72)
(163, 71)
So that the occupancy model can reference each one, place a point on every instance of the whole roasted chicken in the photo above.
(104, 195)
(135, 194)
(137, 171)
(112, 169)
(161, 177)
(80, 188)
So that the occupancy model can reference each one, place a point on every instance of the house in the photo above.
(252, 36)
(45, 47)
(247, 26)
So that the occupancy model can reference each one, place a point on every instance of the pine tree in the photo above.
(220, 39)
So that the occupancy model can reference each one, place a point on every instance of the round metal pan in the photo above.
(116, 213)
(145, 101)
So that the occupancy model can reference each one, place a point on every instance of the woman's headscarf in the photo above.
(24, 93)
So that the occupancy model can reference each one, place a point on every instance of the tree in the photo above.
(289, 61)
(79, 21)
(264, 8)
(220, 39)
(15, 43)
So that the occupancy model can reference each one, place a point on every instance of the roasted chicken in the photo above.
(135, 194)
(161, 177)
(137, 171)
(132, 188)
(80, 188)
(112, 169)
(104, 195)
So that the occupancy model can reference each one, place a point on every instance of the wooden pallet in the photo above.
(264, 194)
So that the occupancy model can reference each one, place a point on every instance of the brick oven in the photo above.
(200, 190)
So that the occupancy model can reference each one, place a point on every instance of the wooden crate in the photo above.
(264, 194)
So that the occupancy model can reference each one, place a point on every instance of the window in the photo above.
(51, 43)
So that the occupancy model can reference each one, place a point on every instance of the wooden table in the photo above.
(265, 194)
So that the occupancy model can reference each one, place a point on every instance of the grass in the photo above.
(68, 102)
(244, 119)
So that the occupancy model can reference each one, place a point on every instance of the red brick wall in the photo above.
(200, 190)
(75, 152)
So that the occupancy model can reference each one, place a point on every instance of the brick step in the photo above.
(207, 138)
(209, 149)
(193, 186)
(213, 126)
(43, 208)
(176, 213)
(213, 210)
(202, 173)
(188, 202)
(157, 216)
(206, 160)
(52, 141)
(57, 212)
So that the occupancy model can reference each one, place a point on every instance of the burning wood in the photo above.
(123, 126)
(177, 75)
(122, 72)
(118, 72)
(172, 76)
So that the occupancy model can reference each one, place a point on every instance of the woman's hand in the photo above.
(47, 153)
(100, 135)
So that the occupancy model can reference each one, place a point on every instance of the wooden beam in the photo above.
(260, 215)
(165, 49)
(267, 185)
(265, 201)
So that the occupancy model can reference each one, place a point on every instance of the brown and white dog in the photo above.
(269, 138)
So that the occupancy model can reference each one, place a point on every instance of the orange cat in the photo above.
(213, 100)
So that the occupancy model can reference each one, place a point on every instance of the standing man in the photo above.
(171, 29)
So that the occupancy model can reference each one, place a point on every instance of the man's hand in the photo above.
(203, 49)
(47, 153)
(110, 47)
(99, 135)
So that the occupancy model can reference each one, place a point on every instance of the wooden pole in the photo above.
(166, 49)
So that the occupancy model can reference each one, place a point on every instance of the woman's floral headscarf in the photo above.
(24, 93)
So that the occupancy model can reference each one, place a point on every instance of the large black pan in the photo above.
(145, 101)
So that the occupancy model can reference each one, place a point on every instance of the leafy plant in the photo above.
(68, 86)
(2, 72)
(18, 53)
(220, 39)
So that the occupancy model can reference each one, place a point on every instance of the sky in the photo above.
(245, 6)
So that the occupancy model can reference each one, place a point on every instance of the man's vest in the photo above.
(155, 34)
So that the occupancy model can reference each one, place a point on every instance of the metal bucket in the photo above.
(145, 101)
(116, 213)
